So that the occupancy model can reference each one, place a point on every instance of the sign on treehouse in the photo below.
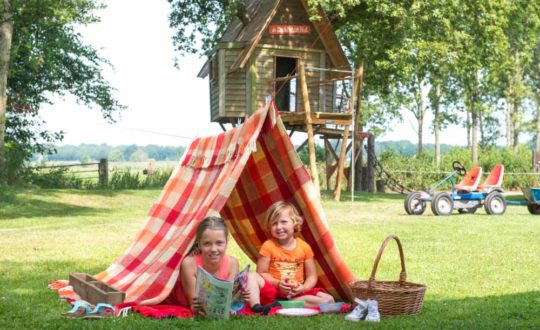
(289, 29)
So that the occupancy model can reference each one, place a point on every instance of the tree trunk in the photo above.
(420, 117)
(357, 90)
(468, 127)
(474, 136)
(6, 33)
(515, 126)
(481, 127)
(437, 124)
(537, 97)
(509, 133)
(420, 132)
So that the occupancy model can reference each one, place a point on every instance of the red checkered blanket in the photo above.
(238, 174)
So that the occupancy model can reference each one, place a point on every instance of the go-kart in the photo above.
(467, 196)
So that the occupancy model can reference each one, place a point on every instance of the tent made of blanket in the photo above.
(238, 174)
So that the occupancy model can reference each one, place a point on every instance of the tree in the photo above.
(198, 24)
(6, 34)
(522, 36)
(463, 52)
(45, 57)
(478, 44)
(372, 32)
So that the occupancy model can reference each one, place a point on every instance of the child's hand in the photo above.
(297, 290)
(285, 286)
(197, 308)
(245, 294)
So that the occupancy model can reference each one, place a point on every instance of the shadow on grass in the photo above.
(25, 285)
(34, 208)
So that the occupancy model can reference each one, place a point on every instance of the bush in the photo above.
(125, 179)
(56, 178)
(419, 172)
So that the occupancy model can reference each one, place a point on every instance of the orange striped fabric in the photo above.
(238, 174)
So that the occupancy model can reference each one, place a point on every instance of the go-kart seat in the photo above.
(494, 179)
(470, 180)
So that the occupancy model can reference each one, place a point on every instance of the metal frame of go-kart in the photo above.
(443, 203)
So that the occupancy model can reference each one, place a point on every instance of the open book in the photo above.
(218, 297)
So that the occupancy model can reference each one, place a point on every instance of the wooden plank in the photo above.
(341, 164)
(322, 77)
(309, 127)
(331, 149)
(221, 82)
(329, 166)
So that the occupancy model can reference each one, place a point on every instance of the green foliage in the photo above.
(419, 172)
(118, 179)
(199, 23)
(24, 138)
(49, 58)
(304, 154)
(134, 180)
(7, 194)
(58, 178)
(407, 148)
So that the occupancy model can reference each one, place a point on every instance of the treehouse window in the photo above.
(285, 90)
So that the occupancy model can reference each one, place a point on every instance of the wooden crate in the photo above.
(95, 291)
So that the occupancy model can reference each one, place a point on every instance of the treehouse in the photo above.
(275, 50)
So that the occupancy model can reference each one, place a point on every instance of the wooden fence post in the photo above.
(103, 171)
(371, 164)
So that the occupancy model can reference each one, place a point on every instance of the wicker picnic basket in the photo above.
(394, 297)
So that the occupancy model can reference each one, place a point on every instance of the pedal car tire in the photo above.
(533, 208)
(442, 204)
(495, 203)
(413, 204)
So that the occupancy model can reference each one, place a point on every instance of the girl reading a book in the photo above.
(208, 252)
(285, 267)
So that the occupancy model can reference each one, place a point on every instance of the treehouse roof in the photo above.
(261, 13)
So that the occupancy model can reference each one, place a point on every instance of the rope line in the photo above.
(446, 173)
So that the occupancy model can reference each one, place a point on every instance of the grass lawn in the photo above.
(481, 271)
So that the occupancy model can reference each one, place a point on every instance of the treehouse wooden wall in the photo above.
(239, 93)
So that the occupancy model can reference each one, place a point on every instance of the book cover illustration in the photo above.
(218, 297)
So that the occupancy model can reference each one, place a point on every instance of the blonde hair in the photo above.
(277, 209)
(214, 223)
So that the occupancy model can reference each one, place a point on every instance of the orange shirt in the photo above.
(287, 263)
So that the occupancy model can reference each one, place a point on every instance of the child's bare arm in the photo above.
(188, 272)
(311, 274)
(234, 268)
(263, 263)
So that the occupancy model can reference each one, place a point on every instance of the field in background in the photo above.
(481, 271)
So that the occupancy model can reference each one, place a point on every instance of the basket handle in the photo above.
(402, 275)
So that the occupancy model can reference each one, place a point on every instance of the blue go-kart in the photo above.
(467, 196)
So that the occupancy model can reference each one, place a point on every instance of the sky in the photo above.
(165, 105)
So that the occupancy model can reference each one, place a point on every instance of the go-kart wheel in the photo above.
(442, 204)
(470, 210)
(495, 203)
(533, 208)
(459, 168)
(413, 204)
